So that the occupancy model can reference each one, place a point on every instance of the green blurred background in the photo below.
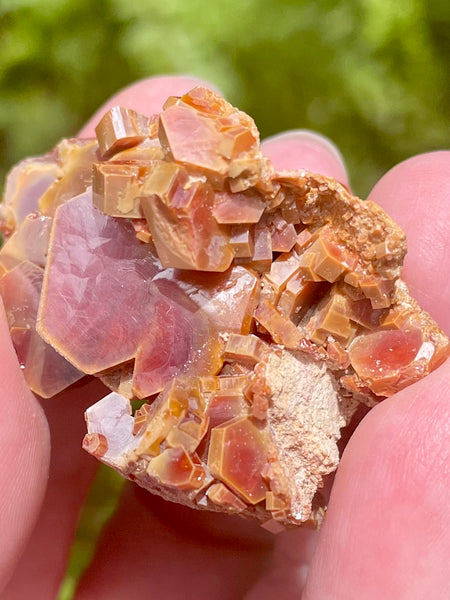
(373, 75)
(370, 74)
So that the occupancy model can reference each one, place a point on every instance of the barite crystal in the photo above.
(250, 311)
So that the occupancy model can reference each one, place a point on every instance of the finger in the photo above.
(285, 577)
(387, 530)
(71, 473)
(385, 519)
(303, 149)
(146, 96)
(416, 193)
(24, 451)
(174, 552)
(71, 469)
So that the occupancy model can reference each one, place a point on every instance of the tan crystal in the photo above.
(245, 348)
(261, 258)
(163, 179)
(220, 494)
(330, 261)
(169, 414)
(175, 467)
(235, 141)
(298, 295)
(241, 240)
(120, 128)
(235, 444)
(75, 158)
(274, 503)
(377, 290)
(117, 188)
(308, 267)
(282, 269)
(140, 418)
(334, 321)
(282, 330)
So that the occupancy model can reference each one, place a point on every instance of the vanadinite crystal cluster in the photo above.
(250, 311)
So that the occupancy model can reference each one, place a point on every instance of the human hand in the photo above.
(387, 529)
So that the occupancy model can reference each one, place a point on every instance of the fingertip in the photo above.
(304, 149)
(416, 194)
(146, 96)
(385, 514)
(416, 188)
(401, 184)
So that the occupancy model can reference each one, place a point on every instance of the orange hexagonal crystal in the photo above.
(238, 209)
(175, 467)
(224, 406)
(178, 126)
(390, 360)
(376, 354)
(237, 455)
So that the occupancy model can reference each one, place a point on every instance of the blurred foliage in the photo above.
(370, 74)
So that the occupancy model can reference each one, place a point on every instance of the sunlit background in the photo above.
(373, 75)
(370, 74)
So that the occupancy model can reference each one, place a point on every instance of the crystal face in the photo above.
(250, 310)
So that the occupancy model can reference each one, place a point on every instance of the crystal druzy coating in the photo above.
(251, 311)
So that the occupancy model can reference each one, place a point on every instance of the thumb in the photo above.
(24, 451)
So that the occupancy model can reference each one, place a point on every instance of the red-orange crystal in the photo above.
(237, 455)
(251, 310)
(384, 351)
(174, 467)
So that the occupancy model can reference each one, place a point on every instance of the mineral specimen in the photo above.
(249, 311)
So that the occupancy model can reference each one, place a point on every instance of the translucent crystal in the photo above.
(252, 311)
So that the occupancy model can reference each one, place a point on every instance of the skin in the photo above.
(387, 529)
